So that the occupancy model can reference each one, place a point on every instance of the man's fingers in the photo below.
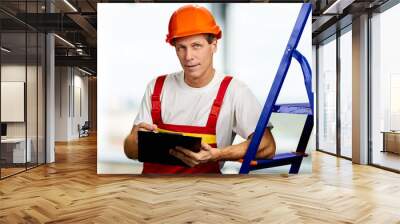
(183, 157)
(189, 161)
(187, 152)
(198, 157)
(143, 127)
(147, 127)
(205, 146)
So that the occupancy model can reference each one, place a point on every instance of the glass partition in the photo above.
(13, 105)
(22, 63)
(385, 89)
(346, 94)
(327, 96)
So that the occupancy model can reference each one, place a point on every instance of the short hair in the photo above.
(210, 38)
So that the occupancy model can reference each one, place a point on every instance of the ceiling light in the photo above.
(337, 7)
(70, 5)
(64, 40)
(84, 71)
(5, 50)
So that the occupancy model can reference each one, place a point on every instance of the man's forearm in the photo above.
(266, 149)
(131, 147)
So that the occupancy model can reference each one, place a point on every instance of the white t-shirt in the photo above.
(185, 105)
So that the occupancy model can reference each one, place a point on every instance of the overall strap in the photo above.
(216, 107)
(155, 100)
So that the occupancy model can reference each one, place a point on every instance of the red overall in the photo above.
(208, 133)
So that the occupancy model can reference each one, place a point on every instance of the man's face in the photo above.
(195, 54)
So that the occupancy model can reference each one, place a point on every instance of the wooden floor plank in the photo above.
(70, 191)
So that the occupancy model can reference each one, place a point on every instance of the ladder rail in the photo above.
(276, 87)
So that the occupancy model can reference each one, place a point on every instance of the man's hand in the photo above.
(144, 127)
(229, 153)
(205, 155)
(131, 141)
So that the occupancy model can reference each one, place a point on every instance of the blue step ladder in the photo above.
(291, 158)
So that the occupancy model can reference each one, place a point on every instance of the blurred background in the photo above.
(253, 40)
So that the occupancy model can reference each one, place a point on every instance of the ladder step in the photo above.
(279, 160)
(293, 108)
(278, 157)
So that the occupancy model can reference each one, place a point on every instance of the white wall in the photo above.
(70, 84)
(61, 103)
(12, 73)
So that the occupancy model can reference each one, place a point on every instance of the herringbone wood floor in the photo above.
(70, 191)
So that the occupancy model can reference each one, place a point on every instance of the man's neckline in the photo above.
(207, 86)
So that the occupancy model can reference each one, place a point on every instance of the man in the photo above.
(198, 101)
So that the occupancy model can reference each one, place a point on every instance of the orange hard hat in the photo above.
(189, 20)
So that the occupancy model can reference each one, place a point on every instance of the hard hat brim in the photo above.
(217, 32)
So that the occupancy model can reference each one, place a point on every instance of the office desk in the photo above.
(391, 141)
(13, 150)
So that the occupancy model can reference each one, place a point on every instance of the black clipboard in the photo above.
(154, 147)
